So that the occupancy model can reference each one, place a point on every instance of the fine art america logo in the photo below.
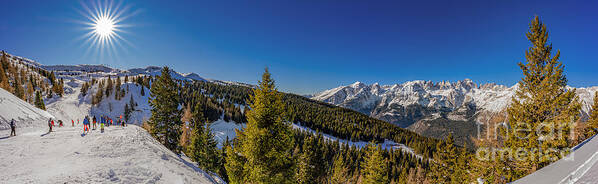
(523, 142)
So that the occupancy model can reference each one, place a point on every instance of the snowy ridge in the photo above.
(82, 68)
(156, 71)
(25, 114)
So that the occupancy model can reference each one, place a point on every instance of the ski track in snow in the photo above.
(119, 155)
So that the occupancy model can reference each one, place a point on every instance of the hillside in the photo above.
(24, 113)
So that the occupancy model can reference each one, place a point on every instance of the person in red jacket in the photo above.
(73, 121)
(50, 123)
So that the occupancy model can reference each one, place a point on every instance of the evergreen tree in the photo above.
(39, 101)
(203, 148)
(30, 91)
(84, 88)
(592, 124)
(541, 99)
(127, 112)
(3, 77)
(311, 162)
(97, 98)
(195, 148)
(142, 91)
(109, 87)
(374, 166)
(444, 161)
(132, 103)
(117, 88)
(165, 119)
(462, 166)
(235, 162)
(266, 143)
(340, 173)
(19, 91)
(210, 150)
(52, 78)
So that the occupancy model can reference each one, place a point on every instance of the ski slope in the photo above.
(25, 114)
(119, 155)
(581, 166)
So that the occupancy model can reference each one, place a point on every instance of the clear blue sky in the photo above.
(314, 45)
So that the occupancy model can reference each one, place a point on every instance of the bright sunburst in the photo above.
(104, 24)
(104, 27)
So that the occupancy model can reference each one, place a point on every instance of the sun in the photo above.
(104, 27)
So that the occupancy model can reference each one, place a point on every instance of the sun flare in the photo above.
(104, 27)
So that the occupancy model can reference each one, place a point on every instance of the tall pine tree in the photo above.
(165, 120)
(374, 166)
(444, 164)
(265, 146)
(592, 124)
(39, 101)
(340, 172)
(542, 102)
(311, 163)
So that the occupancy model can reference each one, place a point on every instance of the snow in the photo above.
(25, 114)
(119, 155)
(578, 167)
(222, 129)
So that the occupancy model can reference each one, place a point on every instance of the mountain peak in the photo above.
(357, 85)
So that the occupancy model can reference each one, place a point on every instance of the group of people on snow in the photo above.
(87, 123)
(91, 123)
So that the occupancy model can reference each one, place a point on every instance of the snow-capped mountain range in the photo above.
(422, 106)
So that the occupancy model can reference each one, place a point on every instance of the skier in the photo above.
(59, 123)
(13, 127)
(102, 126)
(86, 124)
(73, 121)
(94, 122)
(50, 123)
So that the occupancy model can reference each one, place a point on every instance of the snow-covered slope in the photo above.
(119, 155)
(74, 106)
(25, 114)
(580, 166)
